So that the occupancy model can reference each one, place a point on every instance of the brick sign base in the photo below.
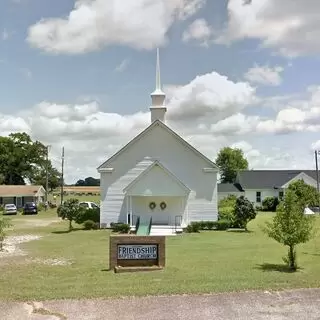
(130, 253)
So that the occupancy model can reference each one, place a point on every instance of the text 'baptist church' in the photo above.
(137, 252)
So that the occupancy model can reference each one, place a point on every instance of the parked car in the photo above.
(30, 208)
(10, 209)
(88, 205)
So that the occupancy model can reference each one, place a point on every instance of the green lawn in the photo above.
(214, 261)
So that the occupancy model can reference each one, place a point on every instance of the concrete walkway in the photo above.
(264, 305)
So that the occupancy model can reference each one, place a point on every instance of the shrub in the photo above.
(88, 214)
(270, 204)
(120, 227)
(193, 227)
(90, 225)
(223, 224)
(40, 206)
(229, 201)
(244, 212)
(259, 208)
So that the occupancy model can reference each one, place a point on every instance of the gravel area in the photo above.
(301, 304)
(10, 247)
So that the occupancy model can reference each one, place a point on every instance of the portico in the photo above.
(156, 193)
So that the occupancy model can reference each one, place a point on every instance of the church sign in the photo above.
(137, 252)
(128, 253)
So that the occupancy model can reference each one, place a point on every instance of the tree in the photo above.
(39, 176)
(306, 194)
(290, 227)
(4, 223)
(244, 212)
(70, 210)
(20, 157)
(88, 182)
(230, 161)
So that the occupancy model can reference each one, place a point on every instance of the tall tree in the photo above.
(230, 161)
(39, 176)
(20, 157)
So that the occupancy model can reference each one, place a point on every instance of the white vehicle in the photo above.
(88, 205)
(10, 208)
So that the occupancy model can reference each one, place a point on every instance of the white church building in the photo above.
(158, 176)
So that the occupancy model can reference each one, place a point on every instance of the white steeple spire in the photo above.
(158, 97)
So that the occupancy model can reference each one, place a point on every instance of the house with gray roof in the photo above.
(256, 185)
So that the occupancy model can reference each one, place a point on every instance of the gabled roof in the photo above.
(145, 132)
(228, 187)
(269, 179)
(21, 190)
(147, 170)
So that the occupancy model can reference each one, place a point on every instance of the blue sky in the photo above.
(52, 66)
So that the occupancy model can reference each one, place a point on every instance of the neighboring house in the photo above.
(19, 195)
(259, 184)
(158, 175)
(227, 189)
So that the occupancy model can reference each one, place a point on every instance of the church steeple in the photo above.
(158, 97)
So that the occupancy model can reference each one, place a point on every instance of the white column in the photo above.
(131, 215)
(127, 201)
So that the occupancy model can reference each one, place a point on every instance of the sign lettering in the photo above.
(137, 251)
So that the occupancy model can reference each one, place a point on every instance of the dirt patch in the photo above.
(25, 223)
(51, 262)
(10, 245)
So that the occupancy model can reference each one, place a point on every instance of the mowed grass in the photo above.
(215, 261)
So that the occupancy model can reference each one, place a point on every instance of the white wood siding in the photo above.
(251, 195)
(113, 207)
(175, 206)
(157, 182)
(186, 165)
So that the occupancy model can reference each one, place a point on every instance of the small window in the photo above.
(280, 195)
(258, 197)
(84, 205)
(94, 206)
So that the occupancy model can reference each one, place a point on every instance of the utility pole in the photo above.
(47, 176)
(316, 152)
(62, 168)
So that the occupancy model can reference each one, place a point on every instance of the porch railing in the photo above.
(177, 222)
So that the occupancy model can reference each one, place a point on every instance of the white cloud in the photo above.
(298, 116)
(141, 24)
(209, 112)
(200, 31)
(264, 75)
(123, 65)
(291, 27)
(209, 95)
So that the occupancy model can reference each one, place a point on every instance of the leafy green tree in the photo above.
(290, 227)
(270, 204)
(4, 224)
(70, 210)
(244, 212)
(88, 182)
(39, 176)
(306, 194)
(230, 161)
(20, 157)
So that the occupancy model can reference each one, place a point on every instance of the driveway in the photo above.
(264, 305)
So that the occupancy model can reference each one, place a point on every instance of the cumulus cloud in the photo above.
(264, 75)
(91, 25)
(298, 116)
(199, 31)
(210, 112)
(211, 95)
(291, 27)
